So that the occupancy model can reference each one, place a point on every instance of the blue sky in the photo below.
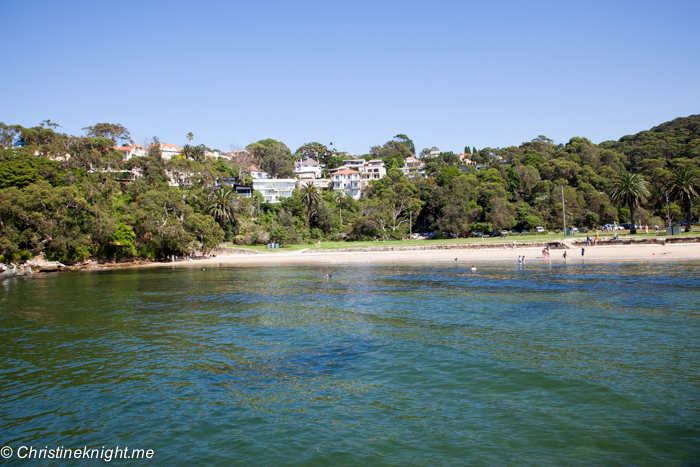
(445, 73)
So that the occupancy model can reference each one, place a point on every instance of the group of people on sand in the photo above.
(594, 241)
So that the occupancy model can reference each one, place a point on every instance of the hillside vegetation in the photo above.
(72, 197)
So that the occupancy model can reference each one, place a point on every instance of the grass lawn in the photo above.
(456, 241)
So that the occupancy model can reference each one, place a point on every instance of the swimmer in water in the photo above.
(455, 260)
(473, 268)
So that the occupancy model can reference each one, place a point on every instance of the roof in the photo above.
(346, 172)
(128, 148)
(169, 147)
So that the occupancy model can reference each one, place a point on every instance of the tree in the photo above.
(685, 184)
(198, 152)
(8, 135)
(190, 136)
(392, 201)
(406, 141)
(274, 157)
(631, 189)
(113, 131)
(223, 205)
(392, 153)
(277, 162)
(187, 152)
(310, 197)
(206, 229)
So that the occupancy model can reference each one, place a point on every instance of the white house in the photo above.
(323, 184)
(258, 174)
(274, 189)
(131, 151)
(308, 165)
(412, 165)
(168, 151)
(349, 181)
(372, 170)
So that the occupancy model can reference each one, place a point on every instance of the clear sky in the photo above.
(354, 73)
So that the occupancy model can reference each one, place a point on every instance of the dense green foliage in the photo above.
(73, 197)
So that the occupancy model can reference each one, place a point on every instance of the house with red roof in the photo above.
(131, 151)
(349, 181)
(466, 159)
(168, 151)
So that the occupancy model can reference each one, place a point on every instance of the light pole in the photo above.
(563, 208)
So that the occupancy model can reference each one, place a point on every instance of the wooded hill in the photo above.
(74, 207)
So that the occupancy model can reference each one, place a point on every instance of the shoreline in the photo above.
(601, 253)
(621, 252)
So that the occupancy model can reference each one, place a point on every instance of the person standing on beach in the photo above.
(564, 256)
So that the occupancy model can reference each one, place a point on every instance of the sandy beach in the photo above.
(669, 252)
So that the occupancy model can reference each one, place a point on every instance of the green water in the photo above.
(593, 364)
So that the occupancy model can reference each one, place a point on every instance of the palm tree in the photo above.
(187, 152)
(224, 205)
(198, 152)
(310, 197)
(631, 189)
(685, 184)
(190, 136)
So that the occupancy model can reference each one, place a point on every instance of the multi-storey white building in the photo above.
(372, 170)
(349, 181)
(323, 184)
(308, 166)
(412, 165)
(274, 189)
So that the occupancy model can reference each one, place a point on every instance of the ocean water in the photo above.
(411, 364)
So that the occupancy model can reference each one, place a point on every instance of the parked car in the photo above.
(478, 234)
(417, 236)
(523, 232)
(539, 229)
(504, 233)
(626, 226)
